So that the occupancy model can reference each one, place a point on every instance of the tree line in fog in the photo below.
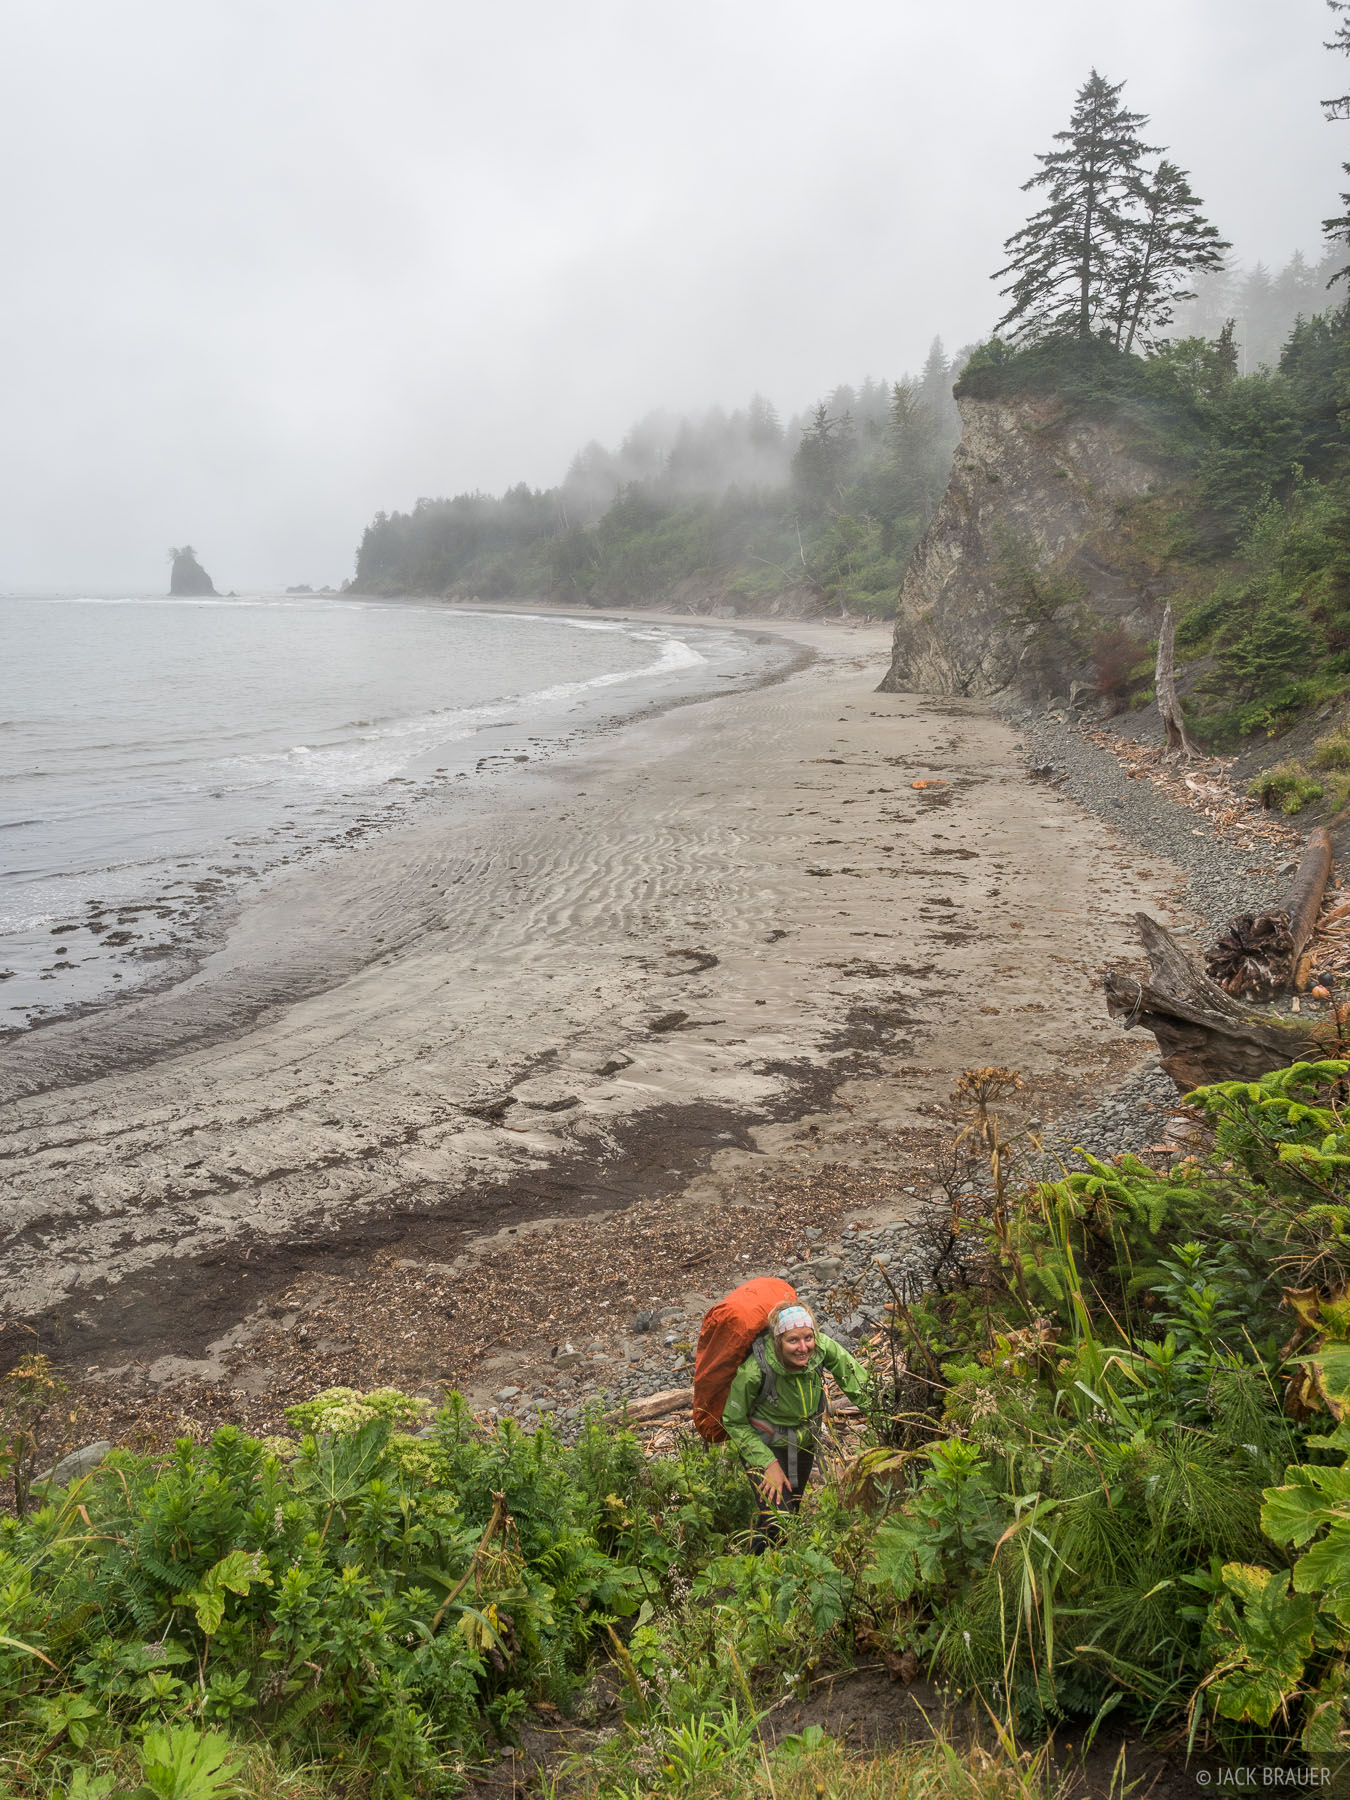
(734, 505)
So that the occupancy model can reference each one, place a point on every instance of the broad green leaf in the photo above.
(1271, 1633)
(1253, 1694)
(237, 1573)
(1327, 1564)
(187, 1764)
(343, 1465)
(1293, 1513)
(84, 1786)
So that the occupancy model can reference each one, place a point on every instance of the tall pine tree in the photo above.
(823, 460)
(1338, 230)
(919, 459)
(1339, 108)
(1164, 242)
(935, 390)
(1064, 259)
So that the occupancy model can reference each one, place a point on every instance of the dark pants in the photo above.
(768, 1517)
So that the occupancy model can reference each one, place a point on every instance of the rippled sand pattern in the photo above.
(477, 997)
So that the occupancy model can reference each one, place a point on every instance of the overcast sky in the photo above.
(274, 264)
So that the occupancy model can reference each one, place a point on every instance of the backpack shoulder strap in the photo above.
(768, 1392)
(768, 1386)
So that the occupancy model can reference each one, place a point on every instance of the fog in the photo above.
(271, 267)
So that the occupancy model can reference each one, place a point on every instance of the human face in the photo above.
(795, 1347)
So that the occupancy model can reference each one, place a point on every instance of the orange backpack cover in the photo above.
(728, 1331)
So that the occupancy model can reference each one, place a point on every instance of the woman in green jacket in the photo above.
(774, 1408)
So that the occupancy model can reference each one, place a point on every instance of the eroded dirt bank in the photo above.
(642, 980)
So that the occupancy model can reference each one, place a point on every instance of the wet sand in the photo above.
(633, 979)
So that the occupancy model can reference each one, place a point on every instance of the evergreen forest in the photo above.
(731, 508)
(736, 509)
(1116, 283)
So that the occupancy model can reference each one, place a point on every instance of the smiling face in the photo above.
(795, 1347)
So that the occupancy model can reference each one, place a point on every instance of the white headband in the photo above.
(793, 1318)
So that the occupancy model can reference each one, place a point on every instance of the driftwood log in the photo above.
(1165, 687)
(656, 1406)
(1203, 1033)
(1261, 953)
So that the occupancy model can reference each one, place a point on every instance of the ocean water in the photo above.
(157, 756)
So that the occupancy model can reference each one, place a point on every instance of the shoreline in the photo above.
(180, 921)
(759, 865)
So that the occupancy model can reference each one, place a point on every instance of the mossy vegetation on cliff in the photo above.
(1184, 477)
(1243, 521)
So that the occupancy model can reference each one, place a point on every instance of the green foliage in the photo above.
(187, 1764)
(1333, 750)
(705, 1745)
(949, 1527)
(724, 505)
(365, 1596)
(1127, 1488)
(1101, 1518)
(1280, 1639)
(1261, 1636)
(1285, 787)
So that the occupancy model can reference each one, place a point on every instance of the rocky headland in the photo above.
(1024, 562)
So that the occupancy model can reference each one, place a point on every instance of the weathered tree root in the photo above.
(1260, 953)
(1203, 1033)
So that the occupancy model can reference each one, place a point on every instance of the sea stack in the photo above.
(188, 577)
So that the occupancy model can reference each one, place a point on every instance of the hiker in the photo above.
(776, 1400)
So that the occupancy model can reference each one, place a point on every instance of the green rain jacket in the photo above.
(797, 1402)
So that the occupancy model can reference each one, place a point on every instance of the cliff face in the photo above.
(1023, 565)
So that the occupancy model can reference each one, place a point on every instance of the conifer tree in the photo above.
(935, 382)
(1064, 258)
(822, 460)
(1164, 242)
(1215, 301)
(1263, 325)
(1338, 230)
(935, 390)
(919, 460)
(1339, 108)
(763, 424)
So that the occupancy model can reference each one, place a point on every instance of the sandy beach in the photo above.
(634, 983)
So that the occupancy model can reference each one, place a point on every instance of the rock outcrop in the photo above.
(188, 577)
(1024, 568)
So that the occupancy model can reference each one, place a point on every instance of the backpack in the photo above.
(726, 1337)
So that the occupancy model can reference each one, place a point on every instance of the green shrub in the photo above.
(1333, 750)
(1090, 1525)
(1124, 1487)
(1287, 786)
(362, 1594)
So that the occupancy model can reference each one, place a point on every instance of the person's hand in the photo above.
(774, 1484)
